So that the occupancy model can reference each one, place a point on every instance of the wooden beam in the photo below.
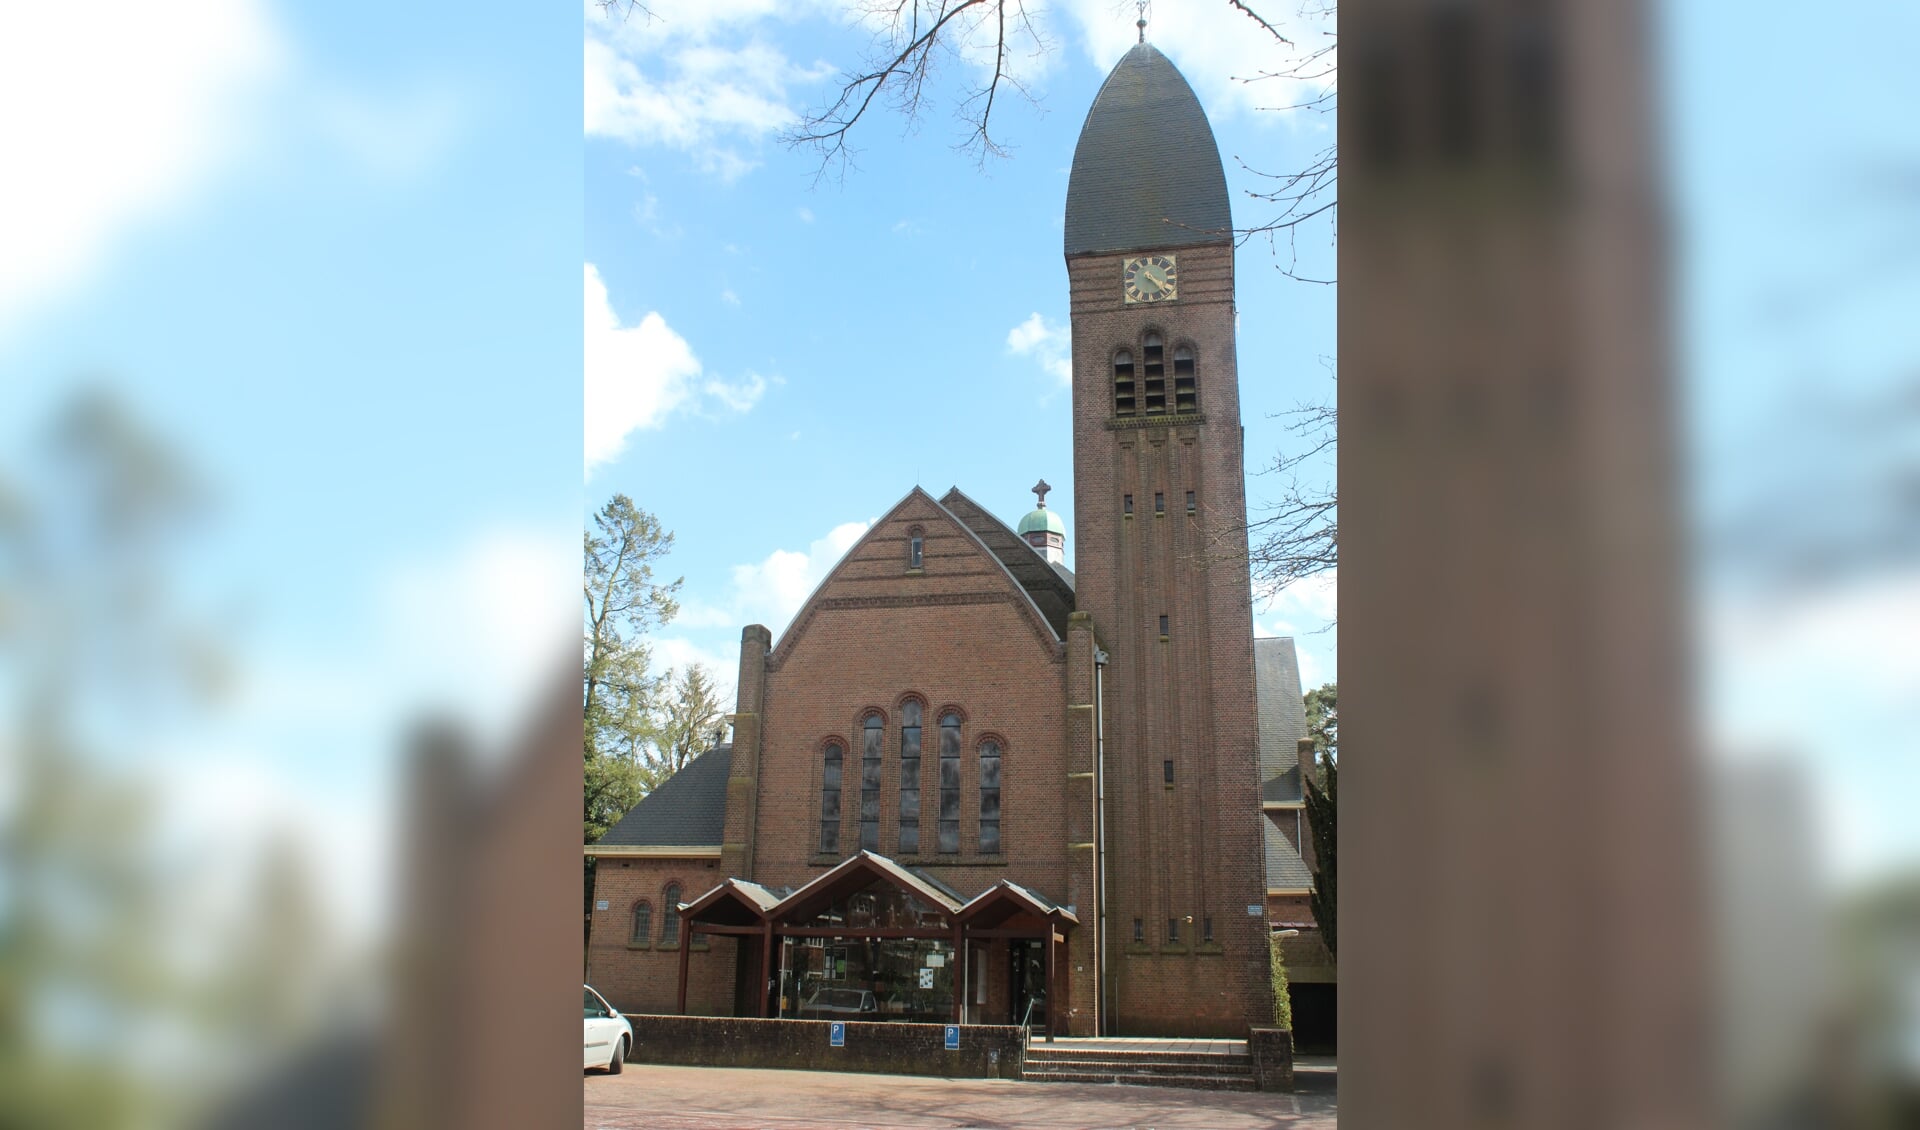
(766, 964)
(959, 970)
(686, 948)
(1052, 998)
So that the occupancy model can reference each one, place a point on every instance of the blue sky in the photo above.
(337, 266)
(835, 342)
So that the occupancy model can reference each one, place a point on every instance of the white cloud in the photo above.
(1051, 345)
(477, 631)
(806, 215)
(114, 117)
(1213, 45)
(1315, 598)
(636, 376)
(694, 78)
(729, 297)
(771, 591)
(678, 652)
(1772, 664)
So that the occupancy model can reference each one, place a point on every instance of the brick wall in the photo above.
(1192, 847)
(958, 633)
(985, 1052)
(646, 978)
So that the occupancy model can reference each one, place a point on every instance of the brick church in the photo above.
(968, 783)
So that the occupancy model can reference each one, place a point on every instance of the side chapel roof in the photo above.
(688, 809)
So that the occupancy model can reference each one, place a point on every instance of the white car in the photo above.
(609, 1035)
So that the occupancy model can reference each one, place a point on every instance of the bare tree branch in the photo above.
(915, 37)
(1298, 535)
(1255, 17)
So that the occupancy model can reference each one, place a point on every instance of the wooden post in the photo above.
(959, 971)
(766, 965)
(686, 946)
(1051, 998)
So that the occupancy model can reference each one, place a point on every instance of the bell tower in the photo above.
(1160, 517)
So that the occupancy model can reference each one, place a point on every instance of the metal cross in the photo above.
(1041, 488)
(1142, 5)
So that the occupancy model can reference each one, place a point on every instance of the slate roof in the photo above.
(1048, 585)
(1282, 717)
(688, 809)
(1146, 172)
(1282, 722)
(1285, 868)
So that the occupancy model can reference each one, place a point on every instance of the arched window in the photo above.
(950, 782)
(830, 800)
(642, 923)
(909, 777)
(1155, 382)
(1186, 392)
(870, 784)
(916, 547)
(1123, 400)
(670, 916)
(989, 796)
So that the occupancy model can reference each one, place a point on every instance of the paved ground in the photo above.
(722, 1098)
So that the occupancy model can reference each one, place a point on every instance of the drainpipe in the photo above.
(1103, 1004)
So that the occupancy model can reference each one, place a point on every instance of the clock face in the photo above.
(1149, 279)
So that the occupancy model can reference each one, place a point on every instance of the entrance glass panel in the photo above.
(1028, 982)
(874, 979)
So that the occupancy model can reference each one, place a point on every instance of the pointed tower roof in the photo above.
(1147, 171)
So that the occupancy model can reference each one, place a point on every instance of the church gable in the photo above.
(919, 555)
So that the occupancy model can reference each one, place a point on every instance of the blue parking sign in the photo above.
(837, 1034)
(953, 1037)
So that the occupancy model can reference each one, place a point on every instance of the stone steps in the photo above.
(1199, 1070)
(1196, 1082)
(1184, 1060)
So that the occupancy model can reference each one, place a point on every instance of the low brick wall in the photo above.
(987, 1051)
(1272, 1052)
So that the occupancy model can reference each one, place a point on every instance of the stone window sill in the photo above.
(1209, 949)
(1173, 948)
(639, 945)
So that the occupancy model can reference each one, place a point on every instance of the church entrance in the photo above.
(1028, 981)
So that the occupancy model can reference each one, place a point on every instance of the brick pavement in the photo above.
(718, 1098)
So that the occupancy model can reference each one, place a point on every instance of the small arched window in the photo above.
(1186, 390)
(670, 916)
(870, 783)
(916, 547)
(1154, 382)
(989, 796)
(830, 799)
(950, 782)
(642, 923)
(909, 777)
(1123, 398)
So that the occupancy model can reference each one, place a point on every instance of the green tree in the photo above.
(619, 699)
(1322, 794)
(687, 723)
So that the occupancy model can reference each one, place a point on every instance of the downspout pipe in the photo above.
(1103, 998)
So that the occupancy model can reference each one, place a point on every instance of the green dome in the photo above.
(1042, 519)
